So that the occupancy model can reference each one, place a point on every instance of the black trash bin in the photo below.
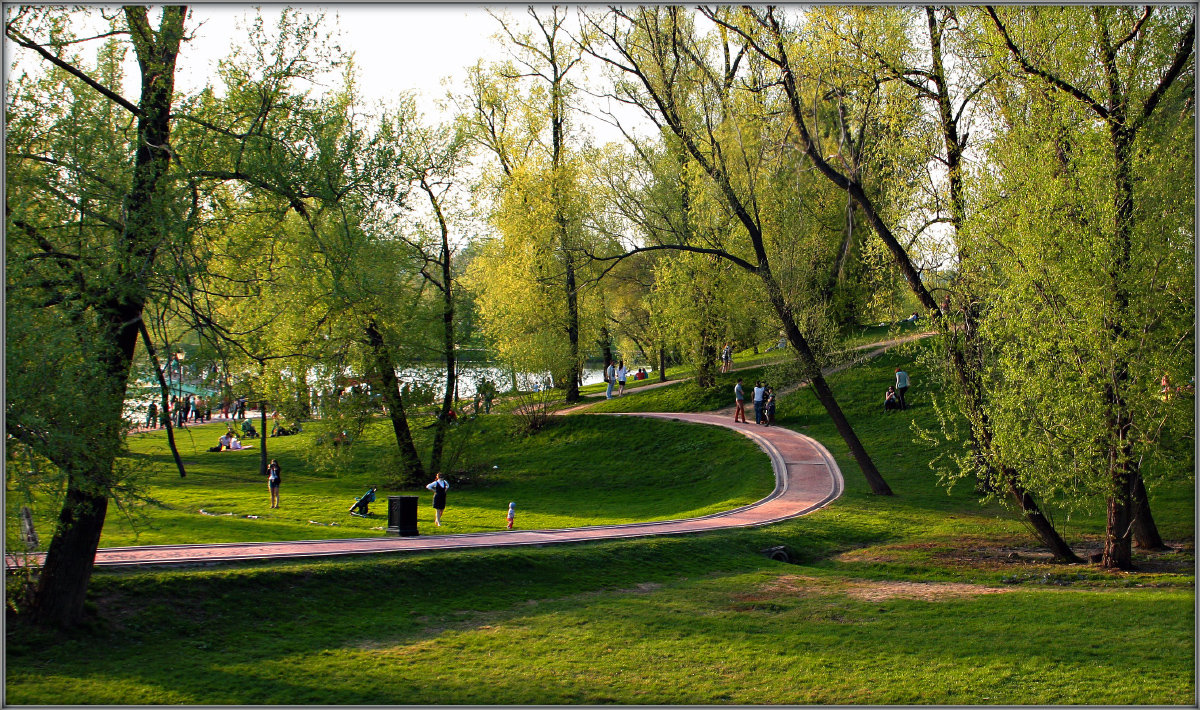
(402, 515)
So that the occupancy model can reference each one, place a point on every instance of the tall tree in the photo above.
(657, 51)
(101, 281)
(1141, 54)
(772, 38)
(522, 113)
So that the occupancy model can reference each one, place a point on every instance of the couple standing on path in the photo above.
(616, 372)
(764, 404)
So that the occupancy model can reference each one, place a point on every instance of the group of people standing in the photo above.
(764, 403)
(180, 410)
(191, 408)
(616, 374)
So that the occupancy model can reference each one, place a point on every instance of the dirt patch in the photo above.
(868, 590)
(1016, 555)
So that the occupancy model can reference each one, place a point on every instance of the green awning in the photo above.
(145, 389)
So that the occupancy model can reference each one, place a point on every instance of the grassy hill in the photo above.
(925, 597)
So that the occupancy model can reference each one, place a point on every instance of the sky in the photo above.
(397, 47)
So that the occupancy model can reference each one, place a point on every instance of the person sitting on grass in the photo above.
(890, 400)
(234, 444)
(248, 430)
(223, 442)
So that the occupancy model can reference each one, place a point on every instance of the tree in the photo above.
(521, 113)
(1109, 281)
(766, 32)
(99, 287)
(657, 51)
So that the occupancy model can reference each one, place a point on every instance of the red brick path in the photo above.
(806, 478)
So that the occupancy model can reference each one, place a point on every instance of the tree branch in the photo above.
(113, 96)
(1182, 52)
(1045, 75)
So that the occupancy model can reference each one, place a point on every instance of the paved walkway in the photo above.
(873, 350)
(806, 478)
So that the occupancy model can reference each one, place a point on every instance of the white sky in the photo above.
(397, 46)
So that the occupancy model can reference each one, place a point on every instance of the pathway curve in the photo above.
(873, 350)
(806, 478)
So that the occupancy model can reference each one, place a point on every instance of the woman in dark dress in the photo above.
(438, 487)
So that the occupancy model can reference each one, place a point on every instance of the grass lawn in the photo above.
(580, 471)
(924, 597)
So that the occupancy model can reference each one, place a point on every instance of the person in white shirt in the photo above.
(610, 376)
(622, 372)
(902, 386)
(758, 402)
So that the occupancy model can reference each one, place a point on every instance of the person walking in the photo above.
(727, 358)
(610, 376)
(622, 374)
(512, 514)
(901, 387)
(739, 398)
(769, 407)
(273, 482)
(439, 487)
(759, 389)
(152, 416)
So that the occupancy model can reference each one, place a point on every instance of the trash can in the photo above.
(402, 515)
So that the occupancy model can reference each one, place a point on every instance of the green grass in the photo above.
(684, 396)
(579, 471)
(907, 599)
(859, 335)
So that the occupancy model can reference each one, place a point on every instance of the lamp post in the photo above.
(179, 356)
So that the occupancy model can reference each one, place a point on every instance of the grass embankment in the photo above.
(579, 471)
(909, 599)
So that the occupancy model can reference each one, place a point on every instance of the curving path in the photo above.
(806, 478)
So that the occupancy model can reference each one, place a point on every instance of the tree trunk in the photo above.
(165, 392)
(1042, 527)
(821, 388)
(1145, 532)
(1118, 538)
(439, 434)
(62, 585)
(262, 439)
(662, 363)
(411, 471)
(606, 345)
(63, 581)
(1118, 534)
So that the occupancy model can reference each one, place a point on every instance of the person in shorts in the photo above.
(273, 481)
